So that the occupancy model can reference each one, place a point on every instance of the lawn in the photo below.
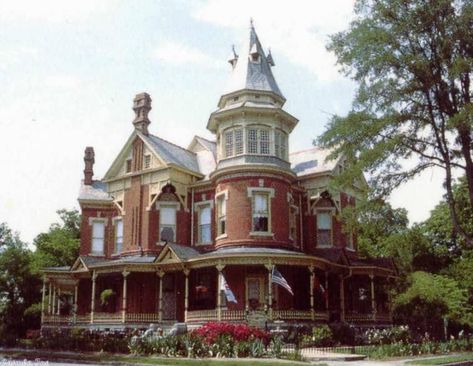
(107, 358)
(443, 360)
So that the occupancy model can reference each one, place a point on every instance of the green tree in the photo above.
(19, 288)
(412, 60)
(430, 298)
(60, 245)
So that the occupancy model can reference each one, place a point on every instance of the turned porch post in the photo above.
(269, 267)
(92, 298)
(59, 301)
(43, 298)
(50, 294)
(342, 298)
(186, 293)
(160, 299)
(74, 309)
(125, 274)
(373, 300)
(54, 301)
(220, 268)
(312, 277)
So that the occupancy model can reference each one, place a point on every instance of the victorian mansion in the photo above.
(236, 229)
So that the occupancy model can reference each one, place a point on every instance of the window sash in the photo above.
(252, 141)
(221, 215)
(239, 141)
(228, 144)
(260, 212)
(205, 225)
(167, 223)
(118, 236)
(324, 221)
(98, 235)
(264, 142)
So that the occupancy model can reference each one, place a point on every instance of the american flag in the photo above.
(277, 278)
(228, 292)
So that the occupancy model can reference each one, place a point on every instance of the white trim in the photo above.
(167, 203)
(204, 203)
(221, 193)
(253, 190)
(198, 208)
(98, 219)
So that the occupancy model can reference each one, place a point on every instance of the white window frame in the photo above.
(269, 192)
(317, 211)
(293, 212)
(115, 221)
(174, 205)
(198, 207)
(147, 161)
(104, 222)
(223, 195)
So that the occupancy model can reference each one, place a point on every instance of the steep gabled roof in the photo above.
(312, 161)
(251, 75)
(171, 153)
(165, 151)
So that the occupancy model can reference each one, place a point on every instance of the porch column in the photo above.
(186, 293)
(125, 274)
(342, 298)
(312, 278)
(92, 298)
(160, 300)
(326, 291)
(373, 300)
(74, 309)
(269, 267)
(220, 268)
(59, 301)
(50, 294)
(390, 310)
(43, 298)
(54, 301)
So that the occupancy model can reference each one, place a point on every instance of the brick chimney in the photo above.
(142, 106)
(89, 160)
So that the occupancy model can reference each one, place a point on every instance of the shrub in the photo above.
(321, 337)
(238, 332)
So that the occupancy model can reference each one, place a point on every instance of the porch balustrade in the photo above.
(212, 315)
(370, 317)
(299, 315)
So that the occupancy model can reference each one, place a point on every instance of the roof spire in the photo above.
(252, 68)
(233, 57)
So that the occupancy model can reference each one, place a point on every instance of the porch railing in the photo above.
(365, 318)
(299, 315)
(142, 317)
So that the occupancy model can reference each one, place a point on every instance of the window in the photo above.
(264, 142)
(260, 212)
(252, 141)
(167, 223)
(239, 141)
(98, 235)
(233, 142)
(147, 161)
(221, 214)
(128, 166)
(228, 144)
(324, 228)
(118, 235)
(204, 225)
(293, 223)
(258, 141)
(280, 143)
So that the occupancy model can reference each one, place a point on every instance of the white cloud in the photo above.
(180, 54)
(299, 31)
(51, 10)
(62, 81)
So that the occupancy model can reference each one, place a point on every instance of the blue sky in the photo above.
(69, 71)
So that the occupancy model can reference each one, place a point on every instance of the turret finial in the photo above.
(233, 57)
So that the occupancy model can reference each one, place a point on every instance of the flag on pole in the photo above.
(277, 278)
(226, 289)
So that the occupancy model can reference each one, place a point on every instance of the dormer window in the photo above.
(254, 54)
(324, 228)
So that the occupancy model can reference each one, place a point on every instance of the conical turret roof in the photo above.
(252, 68)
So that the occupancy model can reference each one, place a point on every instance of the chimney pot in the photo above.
(89, 160)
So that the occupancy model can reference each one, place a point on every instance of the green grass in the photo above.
(443, 360)
(99, 358)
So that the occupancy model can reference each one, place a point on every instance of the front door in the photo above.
(169, 296)
(255, 292)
